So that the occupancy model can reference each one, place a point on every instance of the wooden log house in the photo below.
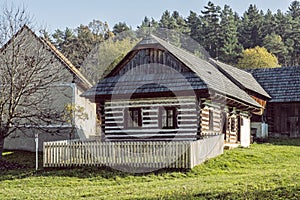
(283, 110)
(162, 92)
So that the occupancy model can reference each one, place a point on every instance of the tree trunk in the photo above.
(1, 146)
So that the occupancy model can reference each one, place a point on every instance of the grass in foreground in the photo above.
(264, 171)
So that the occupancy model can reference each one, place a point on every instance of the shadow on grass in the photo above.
(27, 160)
(78, 172)
(280, 141)
(100, 172)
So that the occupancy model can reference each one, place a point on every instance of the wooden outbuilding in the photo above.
(160, 92)
(283, 110)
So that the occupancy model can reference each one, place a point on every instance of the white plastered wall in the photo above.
(85, 127)
(245, 131)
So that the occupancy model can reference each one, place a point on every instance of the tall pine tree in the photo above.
(230, 49)
(274, 44)
(211, 29)
(284, 29)
(294, 35)
(268, 24)
(251, 28)
(194, 23)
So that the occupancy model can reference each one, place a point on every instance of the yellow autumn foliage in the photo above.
(257, 57)
(71, 111)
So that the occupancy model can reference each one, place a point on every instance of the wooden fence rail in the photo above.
(137, 155)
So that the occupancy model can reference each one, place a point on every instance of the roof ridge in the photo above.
(66, 61)
(231, 74)
(53, 49)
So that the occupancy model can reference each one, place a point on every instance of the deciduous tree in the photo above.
(77, 44)
(26, 76)
(257, 57)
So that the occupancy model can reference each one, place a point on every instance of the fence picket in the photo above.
(177, 154)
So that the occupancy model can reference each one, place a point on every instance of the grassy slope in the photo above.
(264, 171)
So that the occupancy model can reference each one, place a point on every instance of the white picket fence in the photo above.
(146, 155)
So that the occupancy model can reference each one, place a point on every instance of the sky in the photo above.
(59, 14)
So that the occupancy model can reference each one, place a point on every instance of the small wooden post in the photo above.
(36, 151)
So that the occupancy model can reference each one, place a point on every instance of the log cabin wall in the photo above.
(211, 119)
(193, 120)
(116, 121)
(216, 119)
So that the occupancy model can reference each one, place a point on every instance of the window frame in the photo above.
(233, 124)
(167, 117)
(129, 121)
(211, 120)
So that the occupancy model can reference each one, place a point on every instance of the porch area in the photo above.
(131, 156)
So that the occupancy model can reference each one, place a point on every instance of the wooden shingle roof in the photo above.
(214, 79)
(202, 75)
(127, 84)
(243, 78)
(283, 84)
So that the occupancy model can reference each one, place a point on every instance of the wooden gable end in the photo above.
(149, 61)
(261, 102)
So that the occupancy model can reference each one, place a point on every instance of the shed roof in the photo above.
(283, 84)
(242, 78)
(207, 75)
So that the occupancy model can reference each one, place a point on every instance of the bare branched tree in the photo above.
(28, 77)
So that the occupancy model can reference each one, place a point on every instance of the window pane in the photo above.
(168, 118)
(134, 118)
(232, 124)
(164, 118)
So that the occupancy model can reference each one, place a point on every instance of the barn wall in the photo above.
(187, 120)
(283, 119)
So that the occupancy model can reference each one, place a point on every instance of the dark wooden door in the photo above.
(294, 126)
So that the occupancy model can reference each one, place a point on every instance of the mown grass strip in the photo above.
(264, 171)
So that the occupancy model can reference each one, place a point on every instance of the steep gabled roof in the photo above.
(207, 75)
(52, 49)
(242, 78)
(283, 84)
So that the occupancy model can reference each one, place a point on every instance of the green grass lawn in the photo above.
(264, 171)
